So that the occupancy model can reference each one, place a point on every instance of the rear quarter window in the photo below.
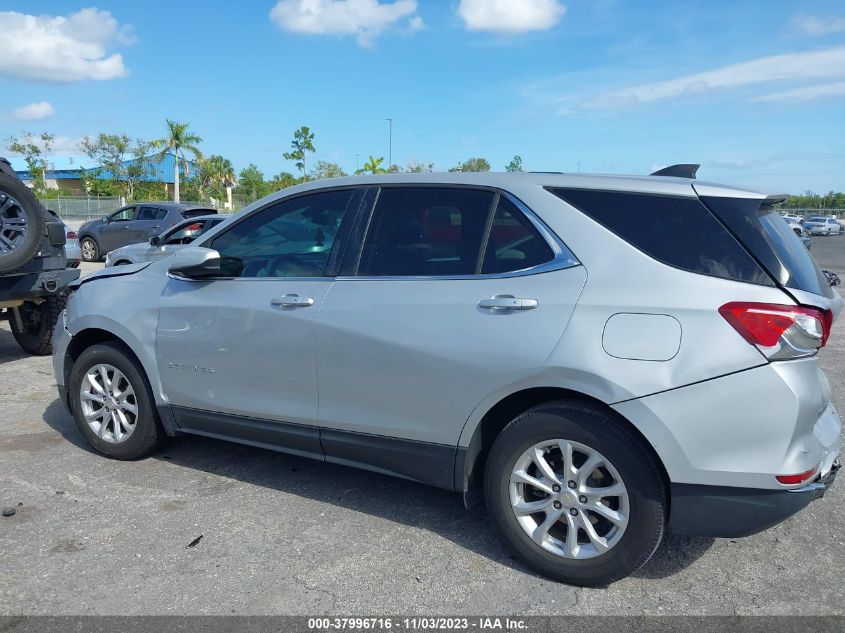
(678, 231)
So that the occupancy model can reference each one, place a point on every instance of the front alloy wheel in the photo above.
(112, 403)
(108, 403)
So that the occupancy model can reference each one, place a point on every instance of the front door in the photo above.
(116, 230)
(238, 353)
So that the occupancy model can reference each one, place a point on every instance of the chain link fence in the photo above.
(80, 209)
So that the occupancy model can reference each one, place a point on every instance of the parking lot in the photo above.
(286, 535)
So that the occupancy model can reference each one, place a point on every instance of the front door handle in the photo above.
(292, 301)
(507, 303)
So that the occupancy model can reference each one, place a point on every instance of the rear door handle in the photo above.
(292, 301)
(507, 303)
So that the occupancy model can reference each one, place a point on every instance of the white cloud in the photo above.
(822, 64)
(807, 93)
(363, 19)
(33, 111)
(811, 25)
(62, 48)
(511, 16)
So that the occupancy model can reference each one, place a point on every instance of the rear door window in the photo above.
(678, 231)
(426, 231)
(513, 242)
(151, 213)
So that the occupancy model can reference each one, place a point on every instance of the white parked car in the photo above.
(818, 225)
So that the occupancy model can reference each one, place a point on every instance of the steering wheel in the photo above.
(291, 266)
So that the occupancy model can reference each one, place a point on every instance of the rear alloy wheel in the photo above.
(576, 493)
(90, 250)
(569, 499)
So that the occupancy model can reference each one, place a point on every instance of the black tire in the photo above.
(39, 321)
(601, 431)
(17, 202)
(147, 432)
(95, 253)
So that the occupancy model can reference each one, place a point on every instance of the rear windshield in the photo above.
(195, 213)
(761, 229)
(678, 231)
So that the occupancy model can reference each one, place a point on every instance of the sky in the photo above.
(752, 90)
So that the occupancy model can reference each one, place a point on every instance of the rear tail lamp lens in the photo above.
(780, 331)
(71, 235)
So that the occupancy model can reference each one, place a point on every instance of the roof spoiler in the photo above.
(683, 170)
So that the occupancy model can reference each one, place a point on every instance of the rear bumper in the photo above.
(36, 284)
(722, 511)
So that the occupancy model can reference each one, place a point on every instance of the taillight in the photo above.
(71, 235)
(800, 478)
(780, 331)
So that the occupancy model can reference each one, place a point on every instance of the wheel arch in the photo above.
(95, 335)
(471, 459)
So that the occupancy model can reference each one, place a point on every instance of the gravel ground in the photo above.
(284, 535)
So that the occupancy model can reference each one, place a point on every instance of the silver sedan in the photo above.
(163, 245)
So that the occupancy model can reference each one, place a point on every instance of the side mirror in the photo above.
(155, 240)
(106, 220)
(195, 262)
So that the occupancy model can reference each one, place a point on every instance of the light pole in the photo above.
(390, 144)
(357, 162)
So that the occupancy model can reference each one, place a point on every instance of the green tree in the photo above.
(125, 162)
(473, 164)
(35, 156)
(216, 177)
(515, 165)
(178, 141)
(282, 181)
(302, 143)
(251, 183)
(372, 166)
(325, 169)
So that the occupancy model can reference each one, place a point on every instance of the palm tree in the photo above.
(217, 173)
(178, 140)
(372, 166)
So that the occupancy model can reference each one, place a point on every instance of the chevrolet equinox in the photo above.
(599, 359)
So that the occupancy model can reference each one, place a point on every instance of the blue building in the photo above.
(71, 179)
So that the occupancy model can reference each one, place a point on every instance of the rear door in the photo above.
(455, 293)
(148, 222)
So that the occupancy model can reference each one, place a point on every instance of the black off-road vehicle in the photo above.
(33, 267)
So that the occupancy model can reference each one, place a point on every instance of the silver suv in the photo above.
(599, 359)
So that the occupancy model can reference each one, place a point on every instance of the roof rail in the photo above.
(683, 170)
